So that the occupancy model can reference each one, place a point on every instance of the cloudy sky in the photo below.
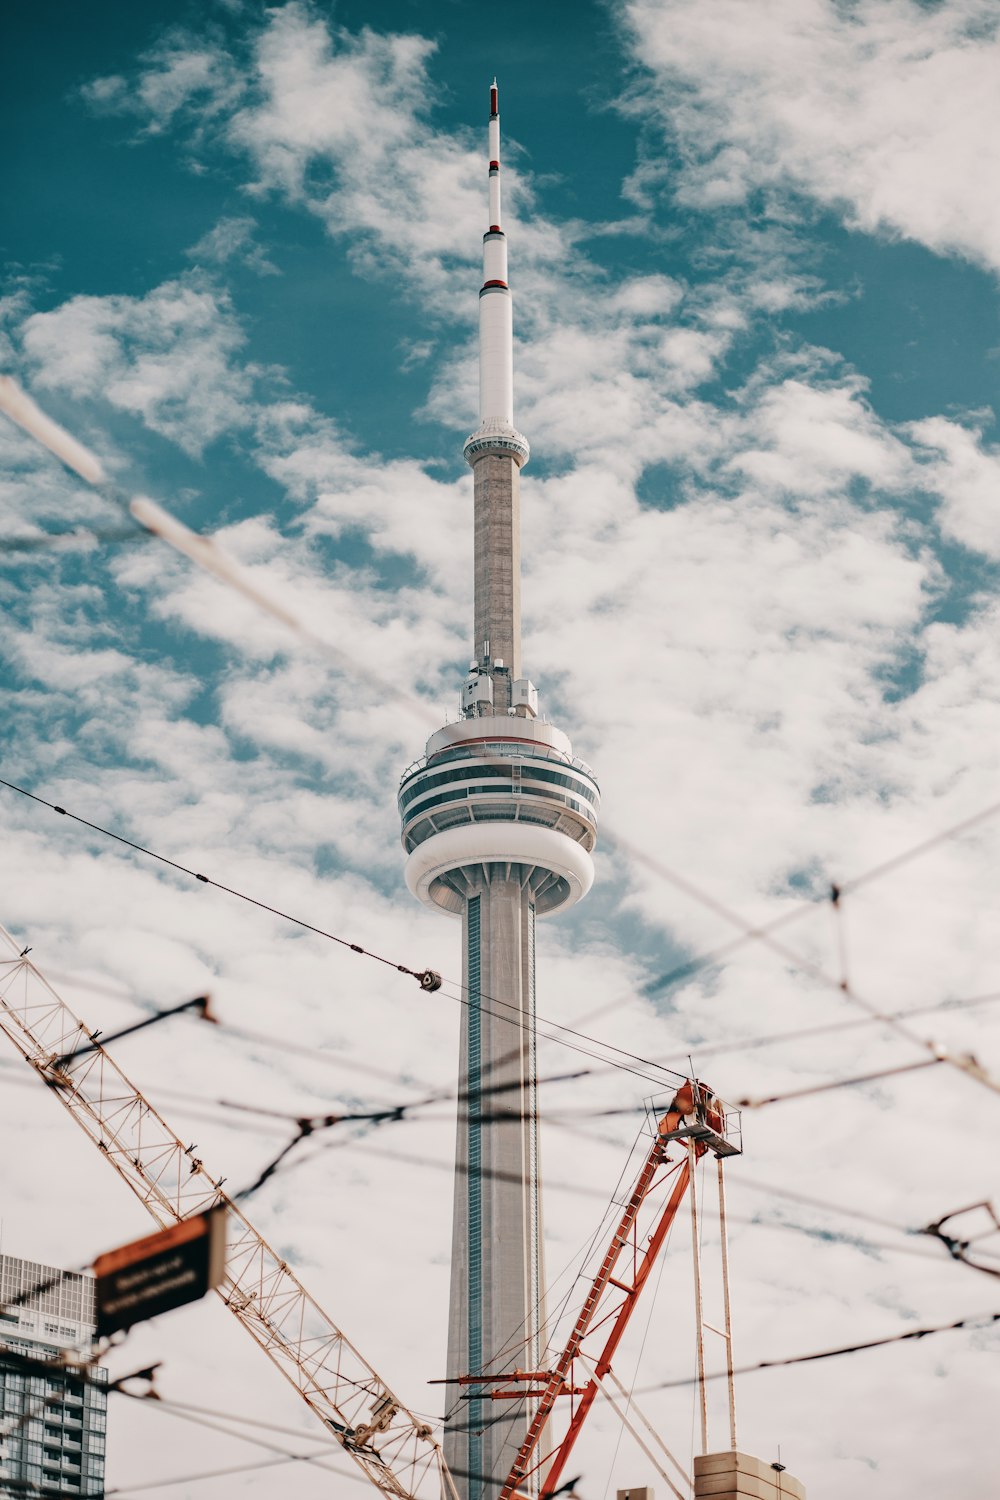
(754, 252)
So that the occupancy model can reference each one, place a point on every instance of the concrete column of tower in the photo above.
(497, 502)
(497, 1299)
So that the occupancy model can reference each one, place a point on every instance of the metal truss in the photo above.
(398, 1452)
(696, 1121)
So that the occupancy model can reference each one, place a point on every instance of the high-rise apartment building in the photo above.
(53, 1424)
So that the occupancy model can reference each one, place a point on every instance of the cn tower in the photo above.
(499, 820)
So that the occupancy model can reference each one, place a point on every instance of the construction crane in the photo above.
(394, 1449)
(699, 1122)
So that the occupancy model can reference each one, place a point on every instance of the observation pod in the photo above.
(499, 791)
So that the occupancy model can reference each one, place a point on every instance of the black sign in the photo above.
(164, 1270)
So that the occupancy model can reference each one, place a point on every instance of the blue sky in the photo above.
(754, 253)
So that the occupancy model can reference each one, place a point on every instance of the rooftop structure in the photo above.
(499, 821)
(53, 1424)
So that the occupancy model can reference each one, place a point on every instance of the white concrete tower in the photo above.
(499, 820)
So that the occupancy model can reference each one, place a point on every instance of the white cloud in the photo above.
(810, 436)
(885, 111)
(177, 75)
(232, 240)
(171, 358)
(965, 473)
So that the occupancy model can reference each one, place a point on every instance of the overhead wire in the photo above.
(805, 1033)
(201, 1476)
(398, 1114)
(425, 977)
(274, 1041)
(308, 1125)
(972, 1322)
(398, 1109)
(429, 981)
(760, 932)
(269, 1039)
(203, 1417)
(206, 554)
(839, 1083)
(968, 1065)
(958, 1247)
(863, 1244)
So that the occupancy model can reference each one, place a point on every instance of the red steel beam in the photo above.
(683, 1103)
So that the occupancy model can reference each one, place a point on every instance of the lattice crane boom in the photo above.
(397, 1451)
(696, 1119)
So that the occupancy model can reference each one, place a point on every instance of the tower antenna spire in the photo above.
(496, 451)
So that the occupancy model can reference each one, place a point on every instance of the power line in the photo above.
(839, 1083)
(206, 554)
(759, 932)
(969, 1065)
(400, 1113)
(426, 978)
(396, 1110)
(200, 1005)
(224, 1473)
(958, 1248)
(517, 1020)
(272, 1040)
(916, 850)
(972, 1321)
(808, 1200)
(202, 1417)
(965, 1064)
(310, 1124)
(856, 1242)
(47, 1284)
(805, 1033)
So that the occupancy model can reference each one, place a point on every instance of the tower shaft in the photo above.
(497, 638)
(497, 1259)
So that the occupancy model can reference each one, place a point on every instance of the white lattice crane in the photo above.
(395, 1449)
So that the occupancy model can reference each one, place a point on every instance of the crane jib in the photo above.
(397, 1452)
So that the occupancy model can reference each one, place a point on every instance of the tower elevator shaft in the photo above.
(497, 1277)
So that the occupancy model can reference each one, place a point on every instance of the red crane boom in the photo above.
(696, 1117)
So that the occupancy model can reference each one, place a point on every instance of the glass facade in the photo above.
(53, 1425)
